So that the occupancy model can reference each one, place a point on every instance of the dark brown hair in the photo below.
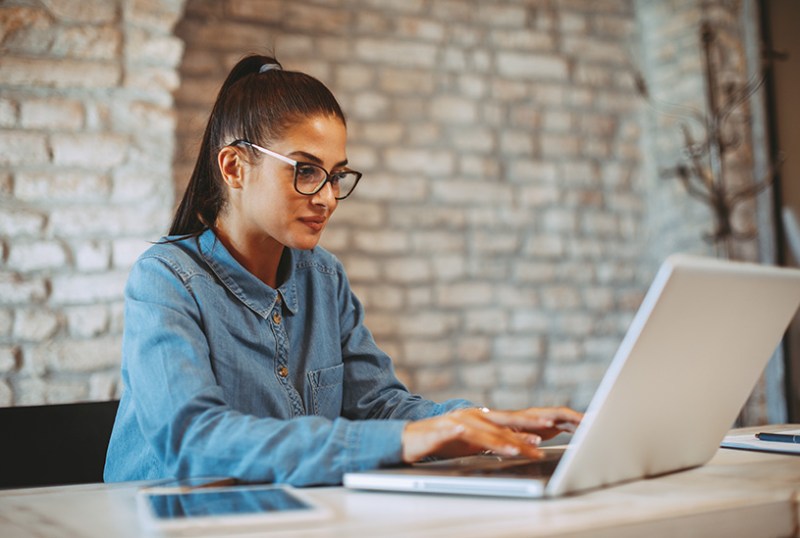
(255, 106)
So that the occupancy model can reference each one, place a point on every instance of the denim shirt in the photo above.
(225, 376)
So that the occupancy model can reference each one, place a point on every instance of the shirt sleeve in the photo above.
(182, 414)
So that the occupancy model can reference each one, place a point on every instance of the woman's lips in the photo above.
(315, 223)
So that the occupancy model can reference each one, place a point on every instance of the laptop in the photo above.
(691, 357)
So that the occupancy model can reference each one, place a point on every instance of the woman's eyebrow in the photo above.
(308, 157)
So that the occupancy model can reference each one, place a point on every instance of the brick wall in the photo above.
(86, 143)
(506, 228)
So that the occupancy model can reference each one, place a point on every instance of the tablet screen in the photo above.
(225, 502)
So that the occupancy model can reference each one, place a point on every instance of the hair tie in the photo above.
(268, 67)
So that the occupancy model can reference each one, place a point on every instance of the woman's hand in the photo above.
(469, 431)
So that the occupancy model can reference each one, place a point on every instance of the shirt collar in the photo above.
(251, 291)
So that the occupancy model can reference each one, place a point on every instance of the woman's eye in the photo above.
(306, 171)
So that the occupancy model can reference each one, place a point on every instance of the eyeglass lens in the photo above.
(309, 179)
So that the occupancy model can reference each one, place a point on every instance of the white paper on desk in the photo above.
(751, 442)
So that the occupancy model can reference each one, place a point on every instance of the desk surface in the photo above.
(737, 494)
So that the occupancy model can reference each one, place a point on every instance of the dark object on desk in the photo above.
(778, 437)
(48, 445)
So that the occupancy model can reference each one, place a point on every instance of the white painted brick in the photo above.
(512, 348)
(463, 294)
(438, 242)
(524, 170)
(394, 187)
(34, 325)
(370, 105)
(531, 320)
(542, 246)
(453, 109)
(479, 165)
(471, 192)
(6, 394)
(77, 289)
(87, 321)
(96, 150)
(36, 256)
(51, 114)
(427, 352)
(384, 242)
(92, 255)
(22, 147)
(362, 268)
(6, 322)
(518, 374)
(336, 239)
(539, 196)
(424, 324)
(104, 386)
(126, 251)
(491, 321)
(511, 398)
(21, 222)
(88, 11)
(425, 218)
(397, 53)
(531, 66)
(107, 220)
(473, 348)
(9, 359)
(573, 324)
(62, 186)
(448, 267)
(379, 133)
(16, 290)
(537, 272)
(59, 73)
(410, 161)
(86, 355)
(493, 243)
(480, 376)
(564, 351)
(8, 113)
(419, 297)
(408, 270)
(477, 140)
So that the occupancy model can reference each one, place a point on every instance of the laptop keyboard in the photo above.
(489, 465)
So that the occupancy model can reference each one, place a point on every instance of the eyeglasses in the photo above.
(309, 178)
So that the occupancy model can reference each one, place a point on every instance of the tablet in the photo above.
(214, 508)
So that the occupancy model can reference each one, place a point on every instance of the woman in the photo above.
(245, 352)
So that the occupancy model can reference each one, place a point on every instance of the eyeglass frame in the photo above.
(295, 163)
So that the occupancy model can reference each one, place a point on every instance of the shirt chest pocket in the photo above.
(326, 391)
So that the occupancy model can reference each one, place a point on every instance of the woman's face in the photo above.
(270, 206)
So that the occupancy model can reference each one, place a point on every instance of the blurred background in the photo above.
(526, 165)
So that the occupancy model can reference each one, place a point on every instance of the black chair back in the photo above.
(47, 445)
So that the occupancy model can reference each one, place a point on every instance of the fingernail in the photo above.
(510, 450)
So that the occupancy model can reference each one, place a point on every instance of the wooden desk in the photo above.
(737, 494)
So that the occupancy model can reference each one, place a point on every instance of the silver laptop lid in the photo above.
(686, 366)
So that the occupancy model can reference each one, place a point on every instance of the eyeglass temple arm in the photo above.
(278, 156)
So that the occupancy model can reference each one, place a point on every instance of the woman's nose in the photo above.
(325, 196)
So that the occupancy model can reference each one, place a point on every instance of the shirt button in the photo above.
(276, 317)
(283, 371)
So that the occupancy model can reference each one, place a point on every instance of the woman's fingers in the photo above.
(540, 420)
(463, 432)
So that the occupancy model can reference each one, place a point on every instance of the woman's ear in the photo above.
(231, 165)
